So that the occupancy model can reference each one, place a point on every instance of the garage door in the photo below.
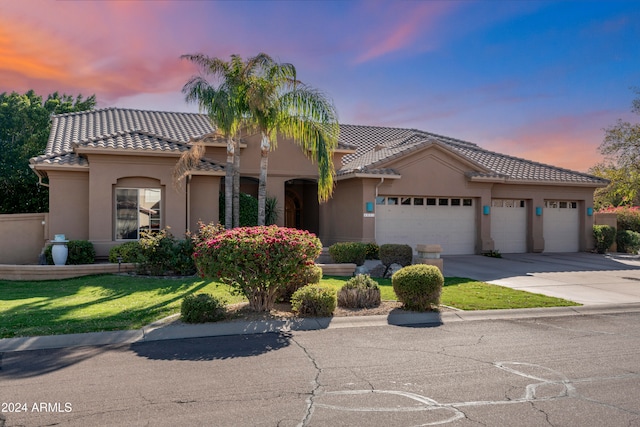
(509, 225)
(561, 224)
(449, 222)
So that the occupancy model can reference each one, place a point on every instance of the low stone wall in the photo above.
(337, 269)
(57, 272)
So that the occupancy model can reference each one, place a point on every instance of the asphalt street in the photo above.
(579, 370)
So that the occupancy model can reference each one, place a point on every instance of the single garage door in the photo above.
(561, 222)
(509, 225)
(446, 221)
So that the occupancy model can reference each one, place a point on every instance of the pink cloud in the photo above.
(567, 141)
(92, 56)
(401, 26)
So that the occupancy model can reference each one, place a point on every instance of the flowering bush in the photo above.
(257, 262)
(627, 217)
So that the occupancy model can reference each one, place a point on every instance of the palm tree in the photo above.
(227, 108)
(280, 104)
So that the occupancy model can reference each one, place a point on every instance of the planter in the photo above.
(59, 249)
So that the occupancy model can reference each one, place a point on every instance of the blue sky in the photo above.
(533, 79)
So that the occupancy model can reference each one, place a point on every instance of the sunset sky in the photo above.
(533, 79)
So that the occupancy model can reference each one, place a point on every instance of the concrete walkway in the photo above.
(586, 278)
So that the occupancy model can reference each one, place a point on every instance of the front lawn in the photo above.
(114, 302)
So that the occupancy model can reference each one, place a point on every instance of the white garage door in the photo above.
(449, 222)
(561, 222)
(509, 225)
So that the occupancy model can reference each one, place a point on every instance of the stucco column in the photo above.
(486, 243)
(537, 224)
(275, 188)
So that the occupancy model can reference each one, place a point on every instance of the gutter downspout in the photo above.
(42, 183)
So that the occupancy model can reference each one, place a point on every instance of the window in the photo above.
(392, 201)
(380, 200)
(431, 202)
(405, 200)
(455, 202)
(467, 202)
(443, 202)
(418, 201)
(137, 209)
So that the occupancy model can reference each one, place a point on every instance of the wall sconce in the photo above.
(486, 209)
(538, 211)
(369, 207)
(589, 211)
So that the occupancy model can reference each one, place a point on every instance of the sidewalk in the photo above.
(164, 330)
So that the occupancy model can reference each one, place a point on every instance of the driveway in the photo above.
(585, 278)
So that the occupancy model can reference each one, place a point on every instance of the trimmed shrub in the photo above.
(257, 262)
(201, 308)
(161, 254)
(348, 252)
(313, 300)
(310, 275)
(360, 291)
(418, 286)
(628, 241)
(373, 251)
(80, 252)
(129, 251)
(395, 254)
(604, 236)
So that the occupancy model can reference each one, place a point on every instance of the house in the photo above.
(110, 176)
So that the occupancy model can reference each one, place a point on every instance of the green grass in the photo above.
(94, 303)
(113, 302)
(467, 294)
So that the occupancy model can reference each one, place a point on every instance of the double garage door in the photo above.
(446, 221)
(560, 226)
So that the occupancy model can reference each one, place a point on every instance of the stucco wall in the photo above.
(69, 203)
(23, 237)
(204, 192)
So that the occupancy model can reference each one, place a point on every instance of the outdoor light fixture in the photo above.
(369, 207)
(589, 211)
(486, 209)
(538, 211)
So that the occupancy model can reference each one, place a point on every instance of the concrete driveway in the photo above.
(585, 278)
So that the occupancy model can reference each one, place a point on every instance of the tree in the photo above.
(224, 101)
(280, 104)
(621, 148)
(24, 130)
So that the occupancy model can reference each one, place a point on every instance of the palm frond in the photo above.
(189, 160)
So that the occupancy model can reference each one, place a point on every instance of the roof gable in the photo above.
(376, 147)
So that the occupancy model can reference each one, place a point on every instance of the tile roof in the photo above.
(376, 146)
(122, 129)
(133, 141)
(128, 129)
(72, 128)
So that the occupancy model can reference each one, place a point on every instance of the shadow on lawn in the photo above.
(213, 348)
(44, 317)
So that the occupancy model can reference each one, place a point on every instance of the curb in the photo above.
(162, 331)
